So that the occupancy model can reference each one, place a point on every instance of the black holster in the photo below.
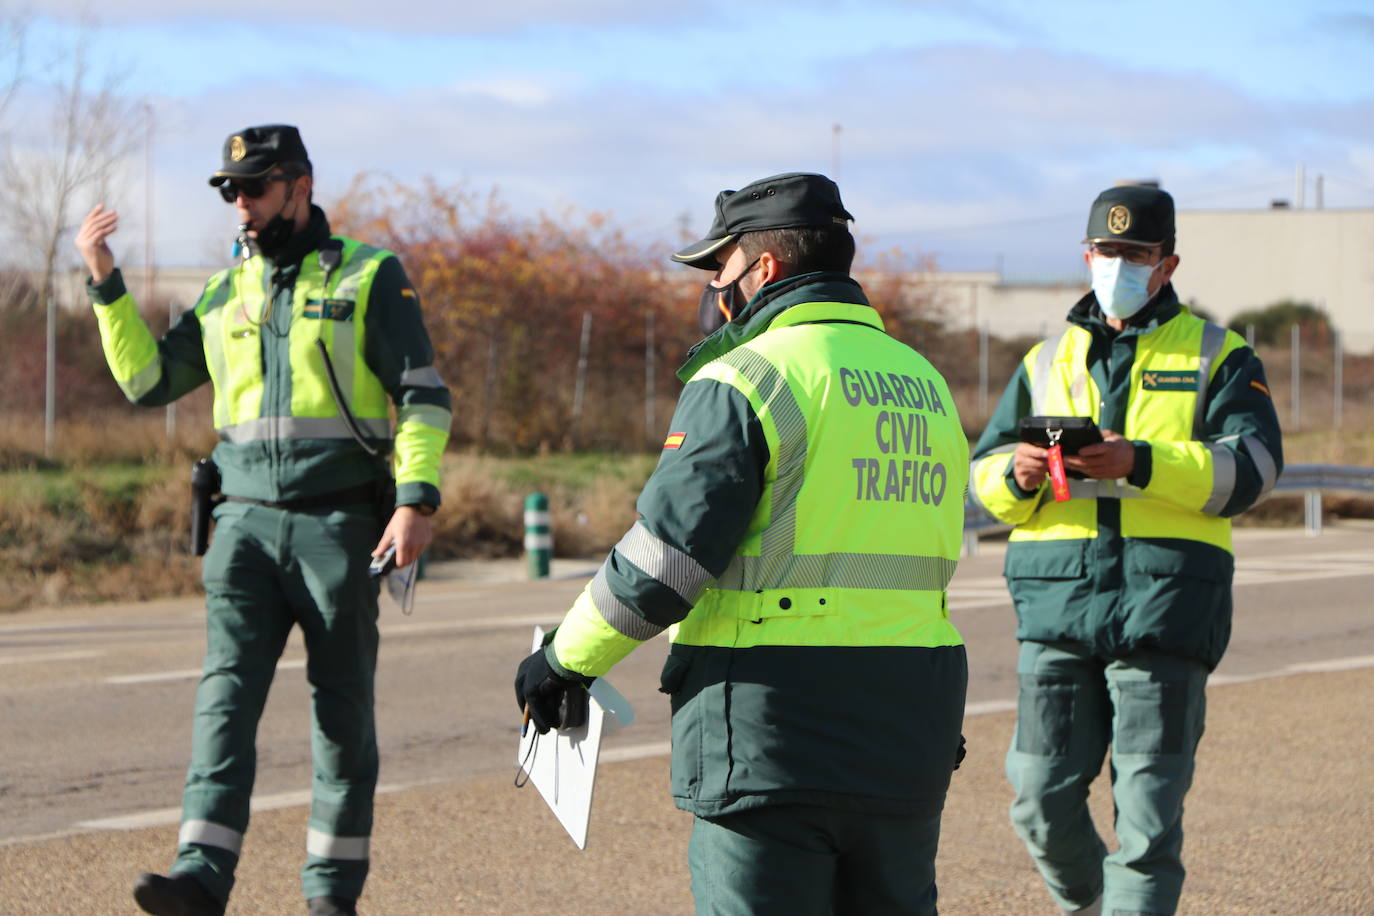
(205, 496)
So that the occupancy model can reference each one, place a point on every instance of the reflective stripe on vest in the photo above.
(301, 428)
(234, 313)
(664, 562)
(657, 559)
(1213, 339)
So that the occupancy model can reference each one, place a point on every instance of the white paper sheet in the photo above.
(562, 764)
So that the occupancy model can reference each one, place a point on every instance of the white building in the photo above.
(1235, 260)
(1231, 261)
(982, 299)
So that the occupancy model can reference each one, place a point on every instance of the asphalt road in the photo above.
(95, 710)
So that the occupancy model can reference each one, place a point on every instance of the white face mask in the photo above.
(1122, 288)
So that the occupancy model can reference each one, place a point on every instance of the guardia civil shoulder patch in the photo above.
(1168, 380)
(674, 440)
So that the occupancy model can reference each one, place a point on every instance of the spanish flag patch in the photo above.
(674, 440)
(407, 292)
(1259, 386)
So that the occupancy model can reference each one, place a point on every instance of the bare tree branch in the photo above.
(91, 129)
(13, 45)
(44, 168)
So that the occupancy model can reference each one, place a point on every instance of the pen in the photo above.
(525, 722)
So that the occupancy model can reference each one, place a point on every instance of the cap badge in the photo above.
(1118, 219)
(237, 150)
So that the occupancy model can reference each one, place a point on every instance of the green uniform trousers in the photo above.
(806, 860)
(267, 570)
(1149, 708)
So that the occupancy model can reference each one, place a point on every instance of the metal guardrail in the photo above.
(1311, 479)
(1326, 477)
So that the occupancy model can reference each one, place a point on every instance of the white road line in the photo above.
(1246, 578)
(988, 706)
(956, 604)
(162, 817)
(957, 592)
(187, 674)
(476, 623)
(49, 657)
(24, 629)
(169, 816)
(636, 752)
(1353, 663)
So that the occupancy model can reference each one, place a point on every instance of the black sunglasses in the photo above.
(252, 188)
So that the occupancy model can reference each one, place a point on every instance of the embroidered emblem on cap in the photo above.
(1118, 219)
(237, 150)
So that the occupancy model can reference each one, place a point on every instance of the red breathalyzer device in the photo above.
(1059, 481)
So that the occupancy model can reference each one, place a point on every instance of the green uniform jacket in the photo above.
(842, 705)
(274, 466)
(1117, 594)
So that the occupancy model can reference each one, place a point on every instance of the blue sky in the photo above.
(975, 132)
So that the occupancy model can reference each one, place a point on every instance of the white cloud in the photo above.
(954, 148)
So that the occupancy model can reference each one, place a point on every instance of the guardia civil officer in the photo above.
(1123, 590)
(796, 540)
(308, 504)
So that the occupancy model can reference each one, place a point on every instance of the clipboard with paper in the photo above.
(562, 763)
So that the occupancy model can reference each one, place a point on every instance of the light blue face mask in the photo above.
(1122, 288)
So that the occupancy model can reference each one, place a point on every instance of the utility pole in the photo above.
(149, 272)
(835, 152)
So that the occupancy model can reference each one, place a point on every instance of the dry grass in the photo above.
(106, 518)
(591, 502)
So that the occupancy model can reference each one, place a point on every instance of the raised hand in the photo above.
(98, 226)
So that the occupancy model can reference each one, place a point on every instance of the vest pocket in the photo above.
(1046, 560)
(674, 673)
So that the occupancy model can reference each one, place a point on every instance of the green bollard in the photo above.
(538, 536)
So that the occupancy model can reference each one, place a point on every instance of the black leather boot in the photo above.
(333, 906)
(175, 895)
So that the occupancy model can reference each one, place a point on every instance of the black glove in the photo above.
(554, 701)
(961, 753)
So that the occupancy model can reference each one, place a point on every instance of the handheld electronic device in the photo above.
(1073, 432)
(384, 564)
